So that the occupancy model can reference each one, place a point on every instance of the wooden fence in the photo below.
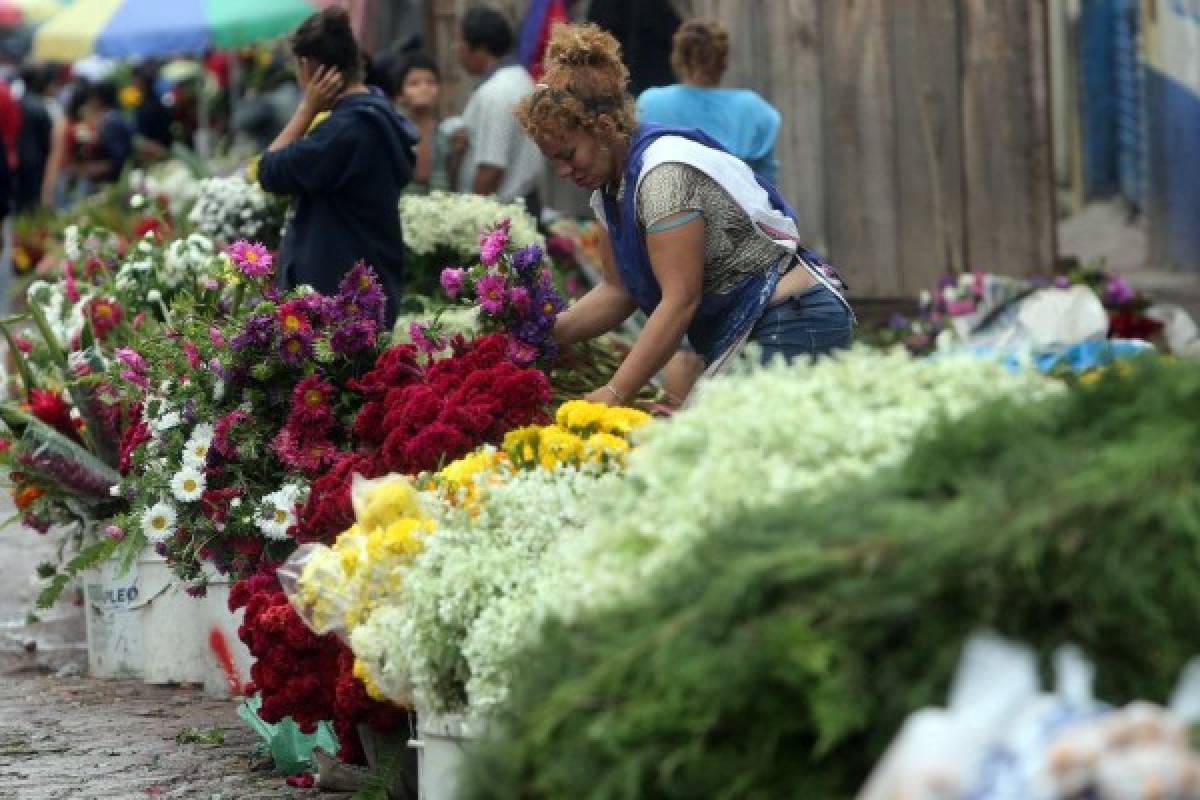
(917, 133)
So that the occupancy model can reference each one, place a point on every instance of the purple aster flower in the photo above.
(452, 280)
(319, 307)
(528, 258)
(353, 336)
(360, 294)
(259, 331)
(296, 347)
(546, 302)
(490, 293)
(189, 410)
(533, 331)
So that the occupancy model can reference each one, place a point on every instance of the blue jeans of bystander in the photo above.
(812, 323)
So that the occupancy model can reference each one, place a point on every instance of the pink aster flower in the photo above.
(492, 245)
(311, 403)
(452, 280)
(419, 333)
(216, 337)
(490, 292)
(131, 358)
(254, 260)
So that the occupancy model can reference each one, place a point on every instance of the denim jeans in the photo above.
(812, 323)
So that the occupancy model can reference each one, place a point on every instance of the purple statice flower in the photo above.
(254, 260)
(1062, 282)
(189, 411)
(528, 259)
(899, 322)
(490, 293)
(1117, 292)
(452, 280)
(353, 336)
(160, 548)
(296, 347)
(259, 331)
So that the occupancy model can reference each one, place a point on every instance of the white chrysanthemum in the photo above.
(158, 522)
(279, 511)
(187, 485)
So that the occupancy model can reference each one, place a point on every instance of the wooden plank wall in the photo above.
(917, 133)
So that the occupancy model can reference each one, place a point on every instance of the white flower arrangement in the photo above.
(172, 180)
(841, 419)
(232, 208)
(448, 221)
(437, 636)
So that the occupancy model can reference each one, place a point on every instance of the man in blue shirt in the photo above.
(345, 173)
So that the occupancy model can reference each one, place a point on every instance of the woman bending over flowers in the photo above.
(694, 239)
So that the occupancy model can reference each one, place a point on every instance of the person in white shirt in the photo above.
(499, 157)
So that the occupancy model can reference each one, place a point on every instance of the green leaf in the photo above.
(23, 370)
(85, 559)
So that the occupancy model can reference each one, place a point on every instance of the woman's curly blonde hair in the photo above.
(584, 88)
(700, 51)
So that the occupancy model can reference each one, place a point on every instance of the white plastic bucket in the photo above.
(185, 638)
(440, 744)
(114, 630)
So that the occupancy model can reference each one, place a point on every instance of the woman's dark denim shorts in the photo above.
(812, 323)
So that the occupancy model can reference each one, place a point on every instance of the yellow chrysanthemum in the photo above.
(579, 415)
(363, 673)
(378, 503)
(559, 447)
(601, 446)
(622, 421)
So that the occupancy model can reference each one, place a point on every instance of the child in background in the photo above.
(417, 84)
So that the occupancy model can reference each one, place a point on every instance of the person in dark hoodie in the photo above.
(345, 173)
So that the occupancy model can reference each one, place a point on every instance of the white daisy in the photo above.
(165, 422)
(158, 522)
(279, 512)
(187, 485)
(195, 452)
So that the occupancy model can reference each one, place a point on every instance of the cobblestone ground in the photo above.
(64, 735)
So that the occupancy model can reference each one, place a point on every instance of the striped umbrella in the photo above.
(26, 12)
(123, 28)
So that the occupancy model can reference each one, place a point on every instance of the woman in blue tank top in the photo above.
(697, 241)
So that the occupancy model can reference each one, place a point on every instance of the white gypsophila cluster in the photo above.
(172, 180)
(72, 243)
(451, 221)
(439, 634)
(186, 258)
(232, 208)
(751, 441)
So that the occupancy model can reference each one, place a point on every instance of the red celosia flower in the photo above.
(134, 437)
(395, 367)
(48, 406)
(1130, 324)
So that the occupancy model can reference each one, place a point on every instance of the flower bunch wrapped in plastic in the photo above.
(300, 674)
(232, 208)
(335, 587)
(514, 291)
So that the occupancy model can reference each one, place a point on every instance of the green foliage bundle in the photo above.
(783, 655)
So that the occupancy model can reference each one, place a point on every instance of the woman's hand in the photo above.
(321, 87)
(606, 395)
